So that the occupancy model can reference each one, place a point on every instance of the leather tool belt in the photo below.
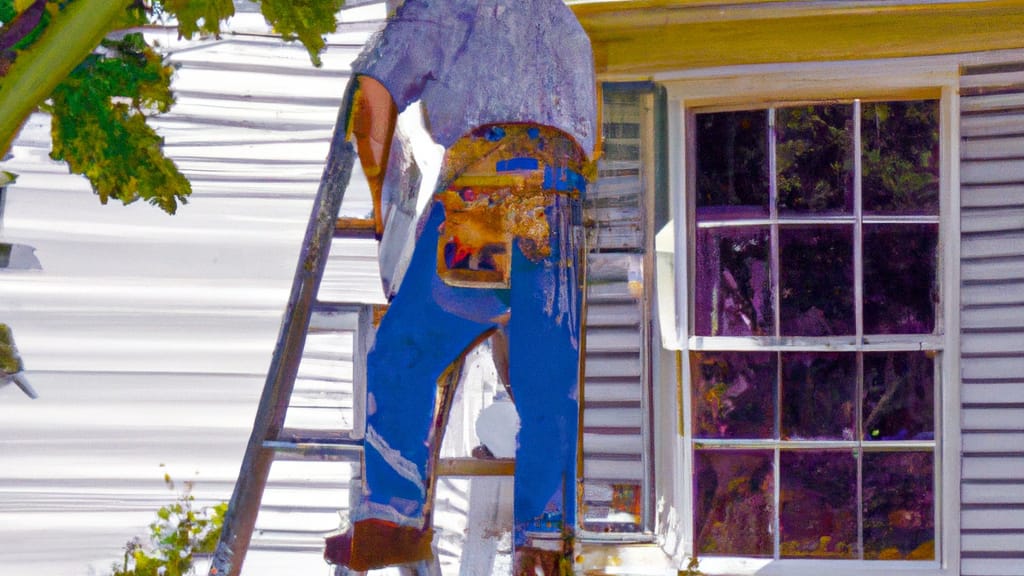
(499, 181)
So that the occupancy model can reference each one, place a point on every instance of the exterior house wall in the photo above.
(986, 246)
(991, 289)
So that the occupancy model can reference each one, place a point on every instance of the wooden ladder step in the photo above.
(348, 227)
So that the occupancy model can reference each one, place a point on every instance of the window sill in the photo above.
(767, 567)
(651, 560)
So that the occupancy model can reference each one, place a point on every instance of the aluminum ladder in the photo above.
(306, 319)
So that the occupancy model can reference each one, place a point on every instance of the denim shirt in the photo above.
(478, 62)
(472, 63)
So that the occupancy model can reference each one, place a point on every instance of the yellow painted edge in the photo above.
(614, 14)
(638, 47)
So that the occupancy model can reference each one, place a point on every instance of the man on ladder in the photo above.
(507, 88)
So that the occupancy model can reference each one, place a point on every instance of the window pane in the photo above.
(899, 392)
(734, 394)
(815, 159)
(900, 142)
(900, 287)
(899, 506)
(816, 280)
(818, 501)
(818, 396)
(732, 165)
(733, 291)
(734, 500)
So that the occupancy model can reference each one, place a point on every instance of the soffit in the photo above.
(639, 38)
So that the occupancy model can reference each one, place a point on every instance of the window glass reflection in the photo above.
(734, 394)
(816, 280)
(732, 165)
(899, 505)
(900, 284)
(733, 284)
(734, 499)
(899, 397)
(819, 396)
(900, 158)
(818, 504)
(814, 159)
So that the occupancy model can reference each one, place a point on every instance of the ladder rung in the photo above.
(318, 436)
(328, 317)
(313, 451)
(476, 467)
(322, 398)
(347, 227)
(305, 444)
(327, 356)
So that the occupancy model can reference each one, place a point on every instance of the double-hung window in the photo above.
(814, 328)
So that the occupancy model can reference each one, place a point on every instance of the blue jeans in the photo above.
(429, 325)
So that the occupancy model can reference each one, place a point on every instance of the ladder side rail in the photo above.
(240, 518)
(363, 341)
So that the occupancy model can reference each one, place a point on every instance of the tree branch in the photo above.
(41, 67)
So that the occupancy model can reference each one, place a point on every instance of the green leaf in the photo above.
(7, 11)
(198, 16)
(99, 125)
(178, 534)
(308, 21)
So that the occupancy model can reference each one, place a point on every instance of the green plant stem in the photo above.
(41, 67)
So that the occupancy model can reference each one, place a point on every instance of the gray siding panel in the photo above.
(614, 414)
(994, 220)
(981, 392)
(1008, 293)
(994, 195)
(990, 368)
(986, 343)
(994, 542)
(988, 518)
(998, 494)
(991, 124)
(993, 148)
(981, 271)
(1008, 244)
(991, 417)
(991, 566)
(995, 467)
(992, 322)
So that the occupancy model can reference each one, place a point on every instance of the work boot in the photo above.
(373, 543)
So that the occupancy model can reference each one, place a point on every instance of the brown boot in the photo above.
(376, 543)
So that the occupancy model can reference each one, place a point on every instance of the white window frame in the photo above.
(755, 87)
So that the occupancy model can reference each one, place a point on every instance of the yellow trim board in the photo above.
(644, 37)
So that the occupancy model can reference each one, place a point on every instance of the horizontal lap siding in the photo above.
(614, 411)
(992, 323)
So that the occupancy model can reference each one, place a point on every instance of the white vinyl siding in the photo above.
(616, 414)
(992, 319)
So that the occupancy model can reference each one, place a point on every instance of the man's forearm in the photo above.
(372, 124)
